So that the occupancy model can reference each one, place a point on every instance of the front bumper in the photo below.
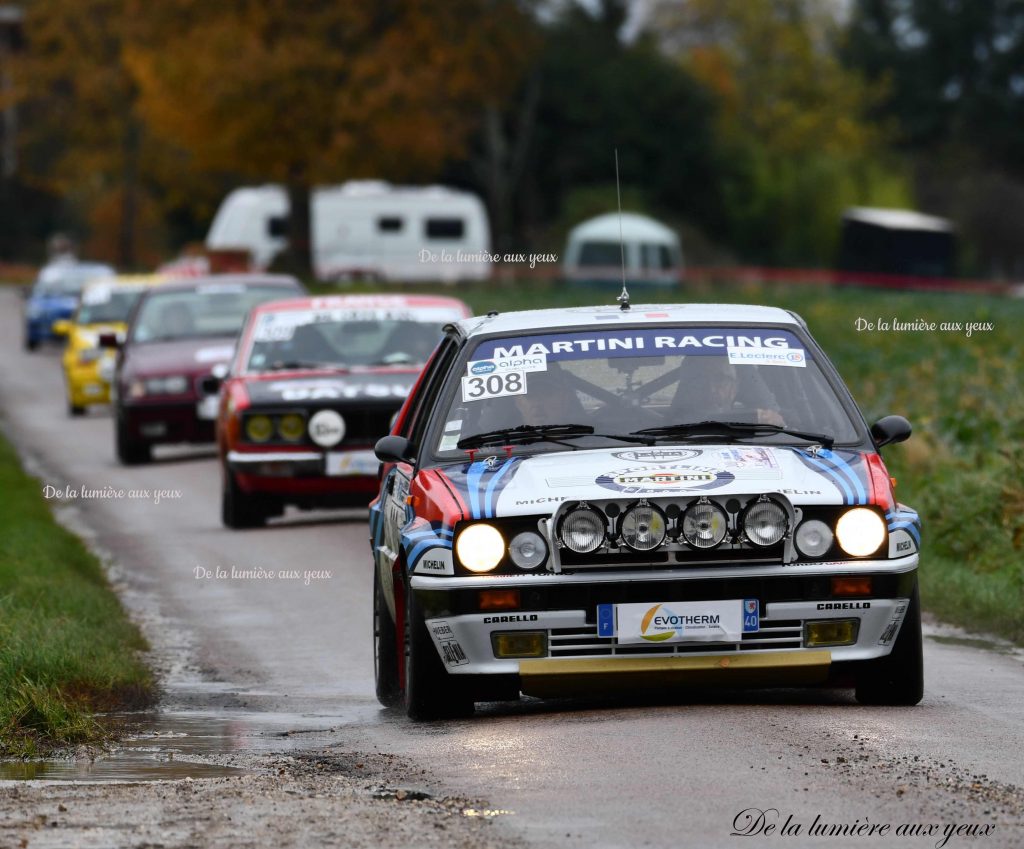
(167, 423)
(88, 384)
(342, 476)
(577, 659)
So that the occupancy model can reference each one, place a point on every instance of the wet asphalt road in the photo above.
(278, 655)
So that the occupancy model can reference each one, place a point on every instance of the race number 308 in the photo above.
(496, 385)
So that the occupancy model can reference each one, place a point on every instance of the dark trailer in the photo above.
(897, 241)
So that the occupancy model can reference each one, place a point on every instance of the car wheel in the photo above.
(238, 510)
(897, 679)
(430, 692)
(131, 452)
(31, 344)
(75, 410)
(385, 648)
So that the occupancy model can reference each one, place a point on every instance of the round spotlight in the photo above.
(813, 538)
(292, 427)
(527, 550)
(765, 522)
(480, 547)
(259, 428)
(643, 527)
(582, 530)
(326, 428)
(860, 531)
(704, 524)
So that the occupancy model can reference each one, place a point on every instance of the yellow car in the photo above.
(88, 368)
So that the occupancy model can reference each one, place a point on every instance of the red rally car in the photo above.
(314, 383)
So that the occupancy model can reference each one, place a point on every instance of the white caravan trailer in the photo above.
(652, 251)
(365, 228)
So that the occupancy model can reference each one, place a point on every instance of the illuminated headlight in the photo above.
(292, 427)
(259, 428)
(643, 527)
(174, 385)
(860, 531)
(527, 550)
(704, 524)
(765, 522)
(582, 530)
(480, 548)
(813, 538)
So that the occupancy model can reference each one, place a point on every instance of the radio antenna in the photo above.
(623, 298)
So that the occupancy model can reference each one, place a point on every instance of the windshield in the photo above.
(345, 337)
(106, 304)
(626, 381)
(68, 278)
(216, 310)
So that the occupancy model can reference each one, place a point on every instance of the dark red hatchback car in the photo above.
(179, 334)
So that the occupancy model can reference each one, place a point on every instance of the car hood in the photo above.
(517, 486)
(183, 356)
(296, 387)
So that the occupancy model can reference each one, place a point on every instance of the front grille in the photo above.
(774, 634)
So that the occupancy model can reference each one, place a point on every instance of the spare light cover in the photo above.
(813, 538)
(582, 530)
(527, 550)
(480, 547)
(704, 524)
(860, 531)
(643, 527)
(765, 522)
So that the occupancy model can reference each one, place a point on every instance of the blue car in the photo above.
(55, 296)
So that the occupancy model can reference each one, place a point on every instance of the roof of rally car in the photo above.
(611, 315)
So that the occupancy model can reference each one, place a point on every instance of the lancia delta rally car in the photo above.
(314, 384)
(584, 499)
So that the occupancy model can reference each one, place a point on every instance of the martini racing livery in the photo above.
(314, 383)
(588, 499)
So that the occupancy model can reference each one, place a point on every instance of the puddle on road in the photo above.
(173, 746)
(973, 643)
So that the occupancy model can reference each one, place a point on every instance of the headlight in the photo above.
(292, 427)
(765, 522)
(176, 384)
(89, 355)
(480, 548)
(527, 550)
(860, 531)
(259, 428)
(643, 527)
(704, 524)
(582, 530)
(813, 538)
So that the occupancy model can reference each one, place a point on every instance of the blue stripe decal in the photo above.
(422, 547)
(831, 475)
(489, 497)
(914, 531)
(843, 466)
(473, 476)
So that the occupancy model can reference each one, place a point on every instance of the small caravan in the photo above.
(595, 250)
(365, 228)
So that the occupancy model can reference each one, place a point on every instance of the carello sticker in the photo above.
(649, 480)
(657, 455)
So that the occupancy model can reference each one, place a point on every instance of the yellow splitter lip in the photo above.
(572, 676)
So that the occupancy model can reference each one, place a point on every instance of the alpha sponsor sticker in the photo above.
(767, 357)
(650, 480)
(678, 622)
(497, 385)
(534, 362)
(435, 561)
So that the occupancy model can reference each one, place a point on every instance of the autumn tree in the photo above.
(304, 93)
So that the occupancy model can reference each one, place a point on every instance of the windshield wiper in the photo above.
(282, 365)
(736, 429)
(523, 434)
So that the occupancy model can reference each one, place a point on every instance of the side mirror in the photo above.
(393, 449)
(890, 429)
(61, 327)
(109, 340)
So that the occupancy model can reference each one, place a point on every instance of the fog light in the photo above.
(643, 527)
(527, 550)
(765, 522)
(259, 428)
(813, 538)
(498, 599)
(831, 632)
(519, 643)
(292, 427)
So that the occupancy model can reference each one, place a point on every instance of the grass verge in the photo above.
(963, 469)
(67, 649)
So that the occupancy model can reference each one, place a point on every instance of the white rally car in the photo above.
(583, 499)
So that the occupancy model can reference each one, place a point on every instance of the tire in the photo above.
(430, 692)
(31, 344)
(385, 648)
(74, 410)
(131, 452)
(897, 679)
(238, 510)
